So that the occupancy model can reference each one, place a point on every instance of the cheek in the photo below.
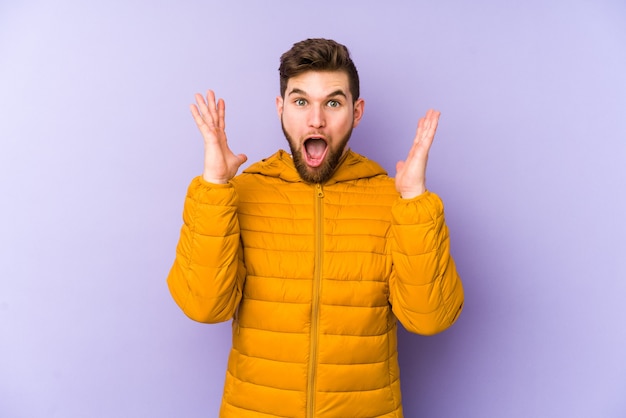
(345, 123)
(291, 122)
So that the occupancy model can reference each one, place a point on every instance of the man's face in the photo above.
(317, 116)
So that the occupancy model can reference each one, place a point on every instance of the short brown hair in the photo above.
(318, 55)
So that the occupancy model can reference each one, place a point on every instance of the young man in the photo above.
(314, 255)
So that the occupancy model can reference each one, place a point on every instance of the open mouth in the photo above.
(315, 149)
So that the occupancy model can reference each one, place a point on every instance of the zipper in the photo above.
(317, 284)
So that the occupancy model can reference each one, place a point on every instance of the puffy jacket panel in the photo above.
(316, 285)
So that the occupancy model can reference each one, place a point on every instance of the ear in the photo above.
(359, 108)
(279, 106)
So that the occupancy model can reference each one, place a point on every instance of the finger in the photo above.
(197, 117)
(426, 128)
(201, 122)
(221, 112)
(423, 126)
(415, 153)
(202, 107)
(418, 141)
(210, 110)
(433, 122)
(432, 119)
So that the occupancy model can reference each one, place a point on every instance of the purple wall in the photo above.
(97, 149)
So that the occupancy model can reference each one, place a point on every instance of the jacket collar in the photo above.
(352, 166)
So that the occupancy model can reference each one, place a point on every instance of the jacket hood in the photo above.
(352, 166)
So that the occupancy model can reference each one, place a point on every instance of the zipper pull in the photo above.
(319, 191)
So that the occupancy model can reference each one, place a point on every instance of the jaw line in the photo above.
(305, 172)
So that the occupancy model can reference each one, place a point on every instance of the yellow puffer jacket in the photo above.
(315, 278)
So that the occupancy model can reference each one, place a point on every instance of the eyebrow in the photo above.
(335, 93)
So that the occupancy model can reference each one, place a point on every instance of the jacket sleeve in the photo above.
(425, 290)
(206, 280)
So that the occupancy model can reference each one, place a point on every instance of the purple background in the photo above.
(98, 146)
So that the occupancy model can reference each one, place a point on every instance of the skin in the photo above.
(220, 163)
(315, 104)
(318, 105)
(411, 173)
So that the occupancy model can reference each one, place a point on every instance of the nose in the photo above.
(316, 117)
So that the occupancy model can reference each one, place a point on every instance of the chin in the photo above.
(325, 171)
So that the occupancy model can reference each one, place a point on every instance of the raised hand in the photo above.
(220, 163)
(411, 173)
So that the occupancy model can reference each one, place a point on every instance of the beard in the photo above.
(325, 171)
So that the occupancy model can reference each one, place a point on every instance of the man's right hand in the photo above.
(220, 163)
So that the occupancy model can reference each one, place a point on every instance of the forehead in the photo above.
(320, 83)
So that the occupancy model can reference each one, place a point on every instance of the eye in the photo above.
(300, 102)
(333, 103)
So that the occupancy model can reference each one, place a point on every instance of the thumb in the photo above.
(399, 166)
(242, 158)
